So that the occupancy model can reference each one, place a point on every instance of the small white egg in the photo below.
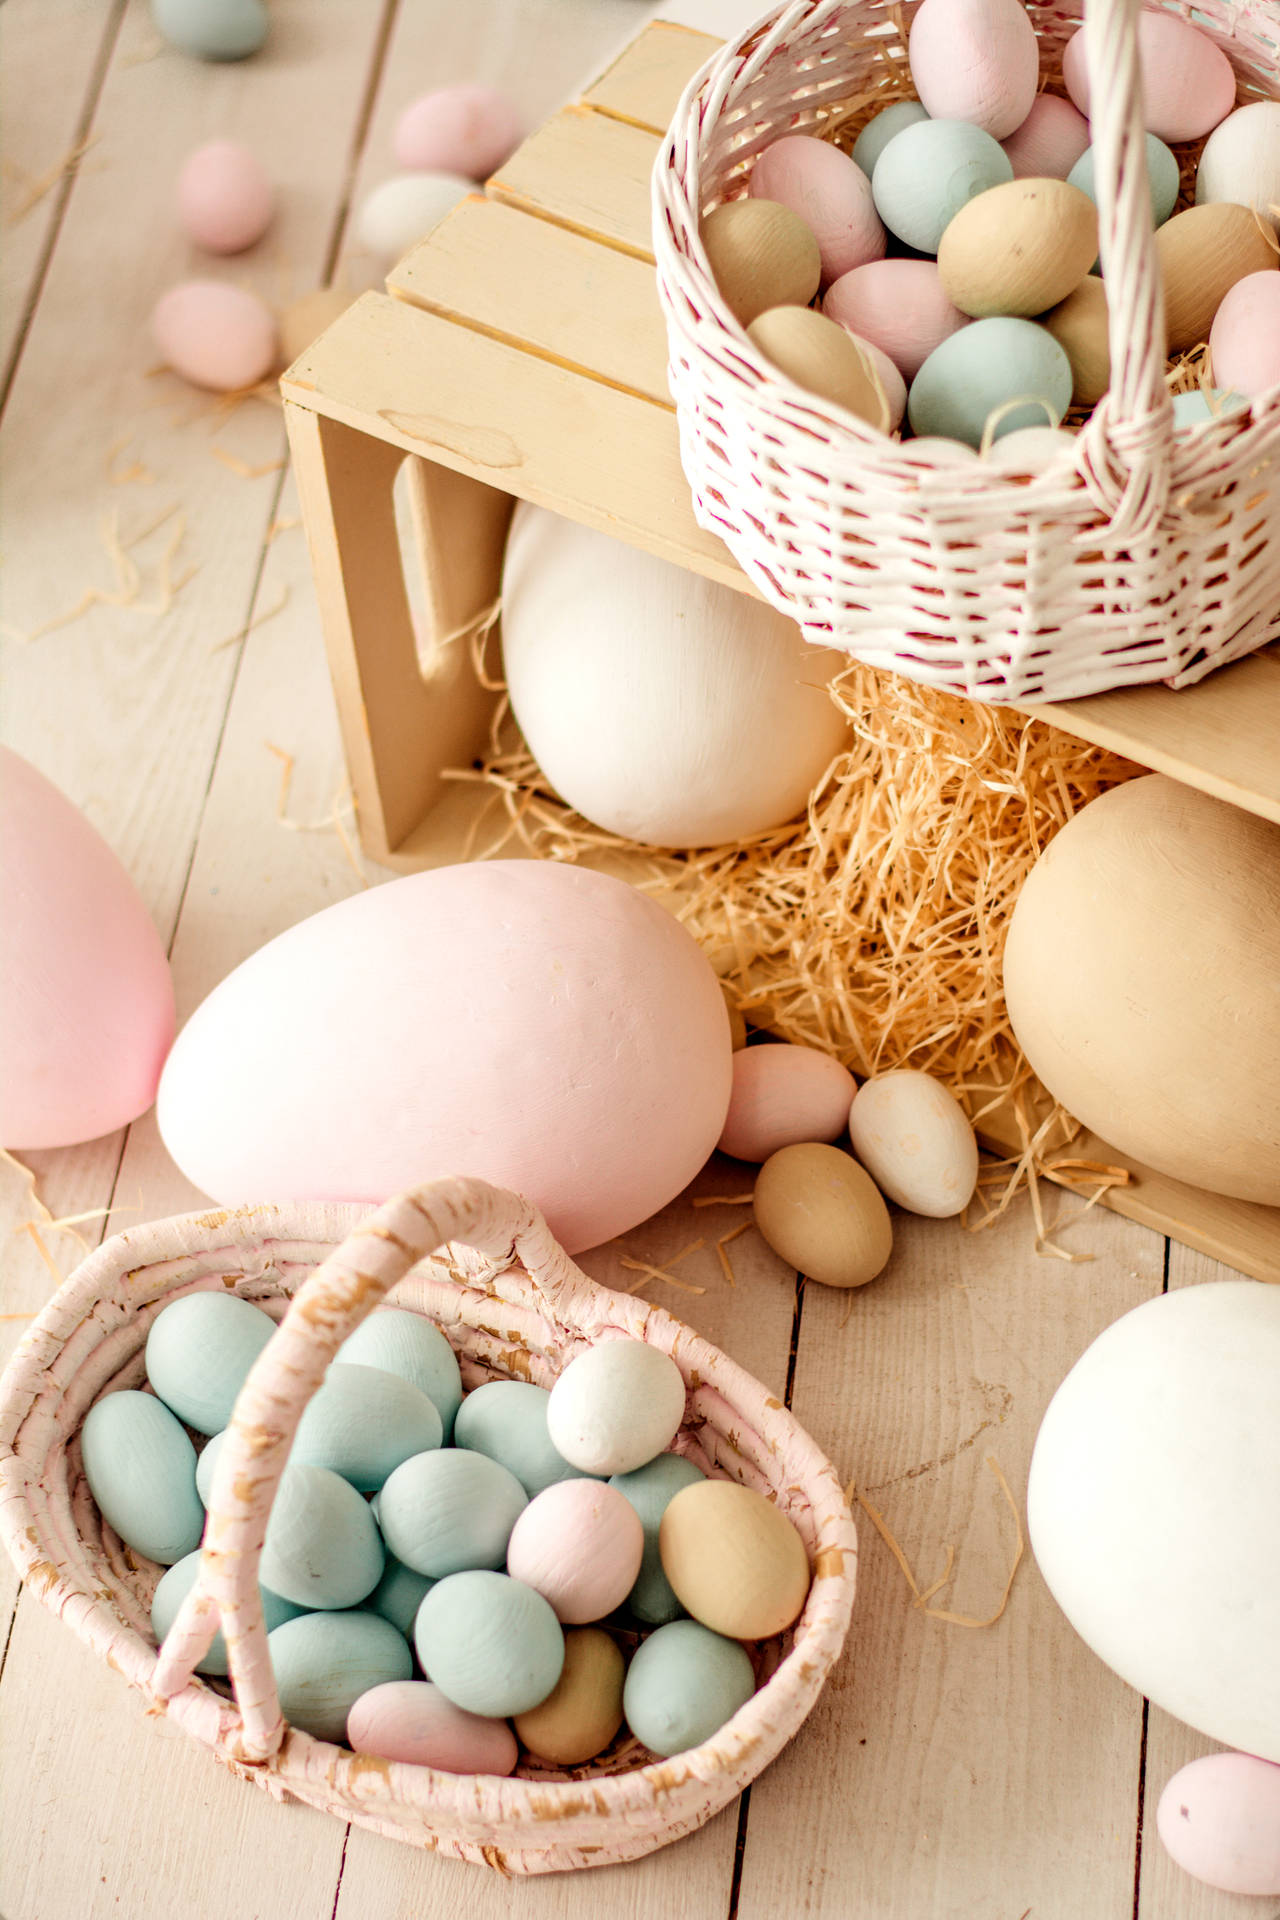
(913, 1138)
(616, 1406)
(397, 214)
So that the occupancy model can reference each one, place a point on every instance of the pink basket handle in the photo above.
(327, 1308)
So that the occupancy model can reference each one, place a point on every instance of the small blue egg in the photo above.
(981, 368)
(206, 1461)
(414, 1347)
(651, 1489)
(322, 1548)
(212, 29)
(507, 1420)
(880, 129)
(363, 1422)
(683, 1683)
(399, 1594)
(447, 1511)
(928, 171)
(141, 1470)
(491, 1644)
(173, 1589)
(1192, 409)
(323, 1662)
(1163, 178)
(199, 1352)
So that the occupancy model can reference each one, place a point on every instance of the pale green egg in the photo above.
(399, 1594)
(173, 1589)
(141, 1470)
(199, 1352)
(1163, 178)
(212, 29)
(323, 1662)
(651, 1489)
(206, 1461)
(683, 1683)
(491, 1644)
(1192, 409)
(928, 171)
(322, 1548)
(363, 1422)
(985, 367)
(507, 1420)
(880, 129)
(449, 1510)
(414, 1347)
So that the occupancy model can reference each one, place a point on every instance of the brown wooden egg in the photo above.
(734, 1560)
(761, 255)
(1202, 253)
(579, 1718)
(1079, 325)
(823, 359)
(1018, 248)
(823, 1213)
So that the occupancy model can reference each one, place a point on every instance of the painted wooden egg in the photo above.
(225, 200)
(1241, 160)
(914, 1138)
(1080, 326)
(398, 1341)
(1142, 977)
(683, 1683)
(412, 1720)
(216, 336)
(399, 1594)
(761, 255)
(975, 60)
(199, 1352)
(1187, 81)
(1153, 1505)
(829, 192)
(86, 1001)
(1219, 1819)
(822, 358)
(1244, 340)
(1019, 248)
(141, 1470)
(507, 1419)
(1162, 176)
(782, 1094)
(541, 1026)
(322, 1548)
(821, 1211)
(1050, 140)
(324, 1662)
(979, 374)
(206, 1461)
(405, 208)
(468, 129)
(173, 1589)
(580, 1717)
(616, 1406)
(651, 1489)
(734, 1560)
(928, 172)
(899, 306)
(491, 1644)
(362, 1423)
(880, 129)
(1029, 451)
(212, 29)
(445, 1511)
(578, 1544)
(1204, 404)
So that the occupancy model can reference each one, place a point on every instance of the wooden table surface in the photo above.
(948, 1773)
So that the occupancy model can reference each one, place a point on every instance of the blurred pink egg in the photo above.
(580, 1544)
(225, 200)
(86, 1002)
(412, 1720)
(895, 387)
(975, 60)
(899, 306)
(469, 130)
(1244, 341)
(1219, 1818)
(1188, 84)
(1049, 142)
(783, 1096)
(829, 192)
(215, 335)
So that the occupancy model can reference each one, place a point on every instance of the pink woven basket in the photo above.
(1135, 556)
(513, 1304)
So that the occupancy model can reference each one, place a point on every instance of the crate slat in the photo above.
(587, 172)
(645, 82)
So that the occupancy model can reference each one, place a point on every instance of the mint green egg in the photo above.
(141, 1470)
(980, 369)
(173, 1589)
(212, 29)
(362, 1422)
(683, 1683)
(446, 1511)
(323, 1662)
(491, 1644)
(507, 1420)
(199, 1352)
(928, 171)
(1192, 409)
(206, 1461)
(414, 1347)
(322, 1548)
(1163, 178)
(651, 1489)
(399, 1594)
(880, 129)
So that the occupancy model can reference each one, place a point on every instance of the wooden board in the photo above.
(645, 82)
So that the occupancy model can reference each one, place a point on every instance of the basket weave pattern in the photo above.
(514, 1306)
(1133, 557)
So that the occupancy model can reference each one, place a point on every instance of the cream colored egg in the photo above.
(580, 1717)
(1029, 451)
(823, 359)
(761, 255)
(734, 1560)
(1241, 160)
(399, 212)
(1079, 325)
(914, 1139)
(1019, 248)
(821, 1211)
(1202, 253)
(616, 1406)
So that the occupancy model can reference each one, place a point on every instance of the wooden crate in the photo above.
(519, 353)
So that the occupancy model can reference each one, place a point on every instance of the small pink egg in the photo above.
(225, 200)
(829, 192)
(214, 335)
(469, 130)
(412, 1720)
(1244, 341)
(975, 60)
(1219, 1818)
(784, 1096)
(580, 1544)
(1187, 81)
(899, 306)
(1049, 142)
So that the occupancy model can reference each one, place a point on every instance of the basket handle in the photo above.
(328, 1307)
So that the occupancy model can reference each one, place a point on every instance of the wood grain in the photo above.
(645, 82)
(588, 172)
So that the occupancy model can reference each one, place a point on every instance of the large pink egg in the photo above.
(783, 1096)
(1219, 1818)
(214, 335)
(412, 1720)
(541, 1026)
(1244, 341)
(1187, 81)
(86, 1002)
(899, 306)
(225, 200)
(829, 192)
(469, 130)
(975, 60)
(579, 1544)
(1050, 140)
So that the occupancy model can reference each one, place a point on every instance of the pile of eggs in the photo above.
(957, 245)
(445, 144)
(484, 1536)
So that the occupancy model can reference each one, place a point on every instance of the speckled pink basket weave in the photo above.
(513, 1304)
(1133, 557)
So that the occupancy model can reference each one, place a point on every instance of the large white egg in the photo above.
(540, 1026)
(1154, 1505)
(664, 707)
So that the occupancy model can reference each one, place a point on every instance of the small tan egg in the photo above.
(1079, 325)
(822, 1212)
(1018, 248)
(1202, 253)
(823, 359)
(304, 320)
(581, 1715)
(914, 1139)
(761, 255)
(734, 1560)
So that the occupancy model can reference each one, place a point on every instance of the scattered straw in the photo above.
(920, 1600)
(41, 1221)
(136, 473)
(127, 592)
(259, 620)
(45, 182)
(724, 1200)
(649, 1272)
(335, 821)
(285, 524)
(722, 1250)
(244, 469)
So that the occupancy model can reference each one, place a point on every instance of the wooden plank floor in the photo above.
(947, 1774)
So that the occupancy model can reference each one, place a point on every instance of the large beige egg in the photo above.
(1142, 975)
(664, 707)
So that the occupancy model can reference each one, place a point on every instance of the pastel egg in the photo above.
(225, 200)
(1080, 324)
(899, 306)
(206, 1461)
(409, 1344)
(141, 1470)
(683, 1683)
(303, 321)
(880, 129)
(1019, 248)
(580, 1716)
(1187, 81)
(86, 999)
(761, 255)
(823, 359)
(199, 1352)
(507, 1419)
(821, 1211)
(928, 172)
(1202, 252)
(1029, 451)
(1050, 140)
(734, 1560)
(1219, 1819)
(1194, 409)
(216, 336)
(324, 1662)
(412, 1720)
(1240, 160)
(362, 1423)
(578, 1544)
(468, 130)
(1163, 178)
(985, 368)
(782, 1094)
(975, 60)
(892, 384)
(449, 1510)
(491, 1644)
(212, 29)
(173, 1589)
(616, 1406)
(397, 214)
(914, 1138)
(651, 1489)
(399, 1594)
(1244, 340)
(322, 1548)
(830, 193)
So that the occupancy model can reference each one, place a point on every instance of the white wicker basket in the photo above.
(1134, 557)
